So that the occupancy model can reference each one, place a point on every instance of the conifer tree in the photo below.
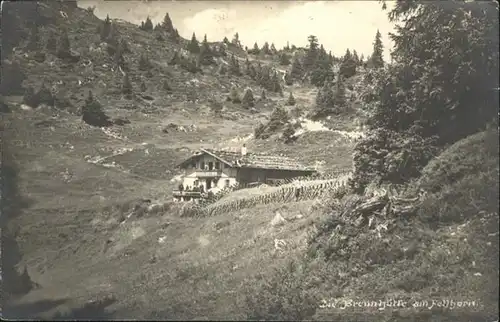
(291, 100)
(348, 65)
(144, 63)
(143, 86)
(288, 133)
(93, 114)
(105, 28)
(377, 59)
(148, 24)
(272, 49)
(226, 41)
(193, 45)
(355, 57)
(256, 49)
(279, 117)
(263, 95)
(284, 59)
(324, 100)
(234, 66)
(339, 100)
(312, 53)
(206, 54)
(234, 96)
(236, 40)
(288, 79)
(297, 70)
(248, 99)
(167, 24)
(265, 49)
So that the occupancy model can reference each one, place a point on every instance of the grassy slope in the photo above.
(75, 205)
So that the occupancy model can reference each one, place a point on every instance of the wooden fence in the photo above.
(327, 187)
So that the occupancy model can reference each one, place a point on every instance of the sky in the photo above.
(337, 24)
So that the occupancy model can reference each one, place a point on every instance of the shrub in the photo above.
(234, 96)
(248, 100)
(93, 114)
(288, 133)
(286, 295)
(386, 156)
(278, 119)
(259, 131)
(291, 100)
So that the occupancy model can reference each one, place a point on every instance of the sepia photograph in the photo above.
(249, 160)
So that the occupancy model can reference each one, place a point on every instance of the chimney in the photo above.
(243, 150)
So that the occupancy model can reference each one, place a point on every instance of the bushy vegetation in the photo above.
(93, 114)
(35, 99)
(279, 118)
(423, 94)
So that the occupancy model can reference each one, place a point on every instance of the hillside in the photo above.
(91, 230)
(82, 180)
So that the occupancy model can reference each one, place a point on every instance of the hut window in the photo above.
(217, 165)
(202, 165)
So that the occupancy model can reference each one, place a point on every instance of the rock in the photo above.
(278, 220)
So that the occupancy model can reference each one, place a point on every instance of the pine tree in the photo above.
(265, 49)
(105, 28)
(288, 79)
(284, 59)
(324, 101)
(279, 117)
(273, 49)
(127, 85)
(248, 99)
(312, 53)
(234, 66)
(288, 133)
(377, 60)
(236, 40)
(263, 95)
(175, 36)
(234, 96)
(226, 41)
(339, 100)
(93, 114)
(206, 54)
(291, 100)
(297, 70)
(167, 24)
(256, 49)
(348, 66)
(355, 57)
(148, 24)
(193, 45)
